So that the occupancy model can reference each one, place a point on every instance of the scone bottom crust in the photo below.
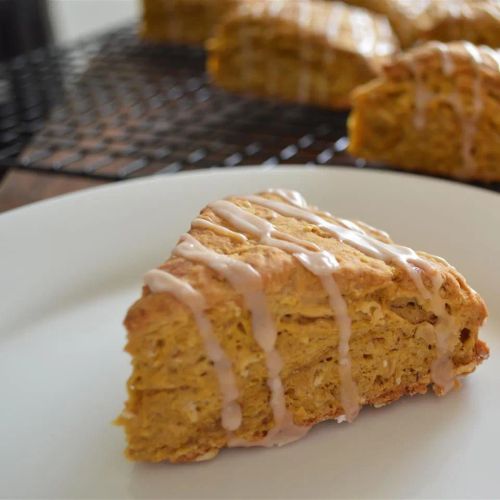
(272, 316)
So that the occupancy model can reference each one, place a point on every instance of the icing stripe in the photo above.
(248, 282)
(292, 197)
(160, 281)
(469, 122)
(322, 265)
(216, 228)
(493, 54)
(404, 257)
(366, 244)
(318, 262)
(304, 19)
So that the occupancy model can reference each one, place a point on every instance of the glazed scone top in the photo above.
(449, 56)
(480, 64)
(426, 14)
(439, 10)
(340, 25)
(247, 240)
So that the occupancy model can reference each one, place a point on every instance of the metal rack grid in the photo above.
(116, 108)
(122, 108)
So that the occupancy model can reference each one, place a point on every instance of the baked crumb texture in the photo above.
(313, 317)
(312, 52)
(436, 109)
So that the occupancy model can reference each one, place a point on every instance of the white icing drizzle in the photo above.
(295, 198)
(381, 233)
(334, 20)
(320, 263)
(469, 121)
(259, 228)
(274, 9)
(385, 33)
(255, 10)
(248, 283)
(217, 228)
(369, 35)
(289, 195)
(477, 57)
(304, 14)
(160, 281)
(492, 9)
(494, 55)
(454, 99)
(333, 23)
(446, 58)
(442, 367)
(366, 244)
(422, 95)
(323, 265)
(401, 256)
(363, 31)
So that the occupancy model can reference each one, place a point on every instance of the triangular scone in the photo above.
(272, 316)
(435, 109)
(312, 51)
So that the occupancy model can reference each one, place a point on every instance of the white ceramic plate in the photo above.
(70, 267)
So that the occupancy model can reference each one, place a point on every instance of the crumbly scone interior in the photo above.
(174, 395)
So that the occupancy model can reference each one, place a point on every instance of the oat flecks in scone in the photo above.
(435, 109)
(272, 316)
(312, 52)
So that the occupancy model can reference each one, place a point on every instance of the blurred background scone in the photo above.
(436, 109)
(307, 52)
(477, 21)
(188, 22)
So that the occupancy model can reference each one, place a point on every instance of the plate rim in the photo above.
(216, 171)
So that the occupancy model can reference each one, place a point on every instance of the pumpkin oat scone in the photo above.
(308, 51)
(436, 109)
(271, 316)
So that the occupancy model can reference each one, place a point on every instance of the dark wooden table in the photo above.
(20, 187)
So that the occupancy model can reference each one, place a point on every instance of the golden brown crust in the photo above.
(309, 52)
(174, 406)
(436, 109)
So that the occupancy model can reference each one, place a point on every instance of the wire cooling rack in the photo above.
(115, 108)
